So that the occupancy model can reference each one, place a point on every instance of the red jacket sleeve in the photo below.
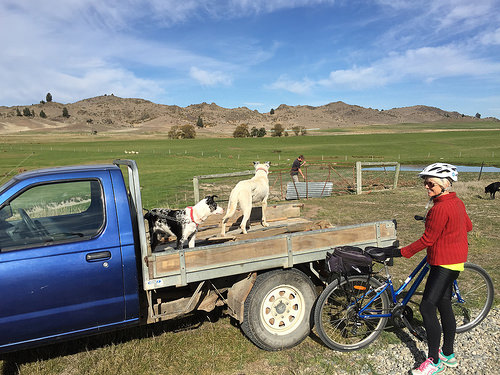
(434, 225)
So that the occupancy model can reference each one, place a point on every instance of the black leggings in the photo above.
(437, 294)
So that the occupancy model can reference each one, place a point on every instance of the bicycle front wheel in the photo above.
(472, 297)
(336, 313)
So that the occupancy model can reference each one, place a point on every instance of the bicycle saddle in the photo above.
(382, 253)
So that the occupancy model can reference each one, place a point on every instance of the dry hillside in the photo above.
(114, 114)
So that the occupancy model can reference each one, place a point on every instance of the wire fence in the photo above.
(341, 177)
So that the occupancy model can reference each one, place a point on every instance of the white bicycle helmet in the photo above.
(440, 170)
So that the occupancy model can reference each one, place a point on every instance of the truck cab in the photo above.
(67, 255)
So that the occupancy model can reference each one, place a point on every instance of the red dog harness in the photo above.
(192, 215)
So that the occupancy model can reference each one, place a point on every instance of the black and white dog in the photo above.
(492, 189)
(183, 224)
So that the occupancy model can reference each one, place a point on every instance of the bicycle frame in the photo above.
(420, 272)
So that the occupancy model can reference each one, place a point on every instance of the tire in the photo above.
(277, 312)
(476, 291)
(336, 319)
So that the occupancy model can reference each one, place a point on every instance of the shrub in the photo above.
(65, 112)
(173, 132)
(241, 131)
(48, 97)
(26, 112)
(187, 131)
(278, 130)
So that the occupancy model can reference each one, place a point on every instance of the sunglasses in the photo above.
(429, 184)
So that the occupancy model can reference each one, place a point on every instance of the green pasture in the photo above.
(436, 126)
(167, 166)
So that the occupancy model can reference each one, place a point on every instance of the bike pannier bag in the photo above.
(348, 260)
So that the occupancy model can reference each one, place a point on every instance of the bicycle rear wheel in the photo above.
(472, 297)
(336, 313)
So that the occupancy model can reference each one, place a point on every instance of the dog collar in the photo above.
(192, 215)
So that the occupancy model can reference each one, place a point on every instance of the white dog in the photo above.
(247, 192)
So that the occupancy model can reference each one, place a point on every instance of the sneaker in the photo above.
(448, 360)
(429, 368)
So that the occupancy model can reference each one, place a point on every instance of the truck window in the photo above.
(51, 213)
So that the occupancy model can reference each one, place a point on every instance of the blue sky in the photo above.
(255, 53)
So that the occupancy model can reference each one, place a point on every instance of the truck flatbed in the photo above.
(288, 241)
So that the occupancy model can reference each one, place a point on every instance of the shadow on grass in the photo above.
(13, 361)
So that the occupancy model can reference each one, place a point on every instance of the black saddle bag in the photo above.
(348, 261)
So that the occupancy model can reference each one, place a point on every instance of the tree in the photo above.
(262, 132)
(173, 132)
(199, 123)
(42, 114)
(187, 132)
(65, 112)
(241, 131)
(26, 112)
(48, 97)
(478, 115)
(271, 112)
(254, 132)
(18, 112)
(278, 130)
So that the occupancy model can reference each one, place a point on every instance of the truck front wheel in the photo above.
(277, 311)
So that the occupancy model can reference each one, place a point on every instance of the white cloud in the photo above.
(296, 87)
(423, 64)
(490, 38)
(207, 78)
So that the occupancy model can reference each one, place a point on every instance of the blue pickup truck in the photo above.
(76, 260)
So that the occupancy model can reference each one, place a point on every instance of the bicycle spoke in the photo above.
(476, 297)
(337, 320)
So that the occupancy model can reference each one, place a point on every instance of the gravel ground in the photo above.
(477, 351)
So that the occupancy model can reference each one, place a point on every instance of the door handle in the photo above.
(97, 256)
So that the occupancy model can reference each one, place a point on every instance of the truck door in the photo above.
(60, 261)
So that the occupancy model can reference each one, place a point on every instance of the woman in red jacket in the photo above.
(445, 237)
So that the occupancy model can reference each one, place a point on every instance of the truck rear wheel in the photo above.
(277, 311)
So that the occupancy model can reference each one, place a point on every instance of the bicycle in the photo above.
(352, 311)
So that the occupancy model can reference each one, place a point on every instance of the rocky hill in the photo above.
(110, 113)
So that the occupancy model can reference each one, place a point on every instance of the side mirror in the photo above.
(5, 212)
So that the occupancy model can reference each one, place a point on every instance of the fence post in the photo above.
(196, 188)
(396, 176)
(358, 177)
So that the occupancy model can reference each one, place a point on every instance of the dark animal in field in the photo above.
(492, 189)
(183, 224)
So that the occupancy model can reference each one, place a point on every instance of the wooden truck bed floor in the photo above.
(286, 242)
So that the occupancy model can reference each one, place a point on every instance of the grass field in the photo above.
(212, 343)
(167, 166)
